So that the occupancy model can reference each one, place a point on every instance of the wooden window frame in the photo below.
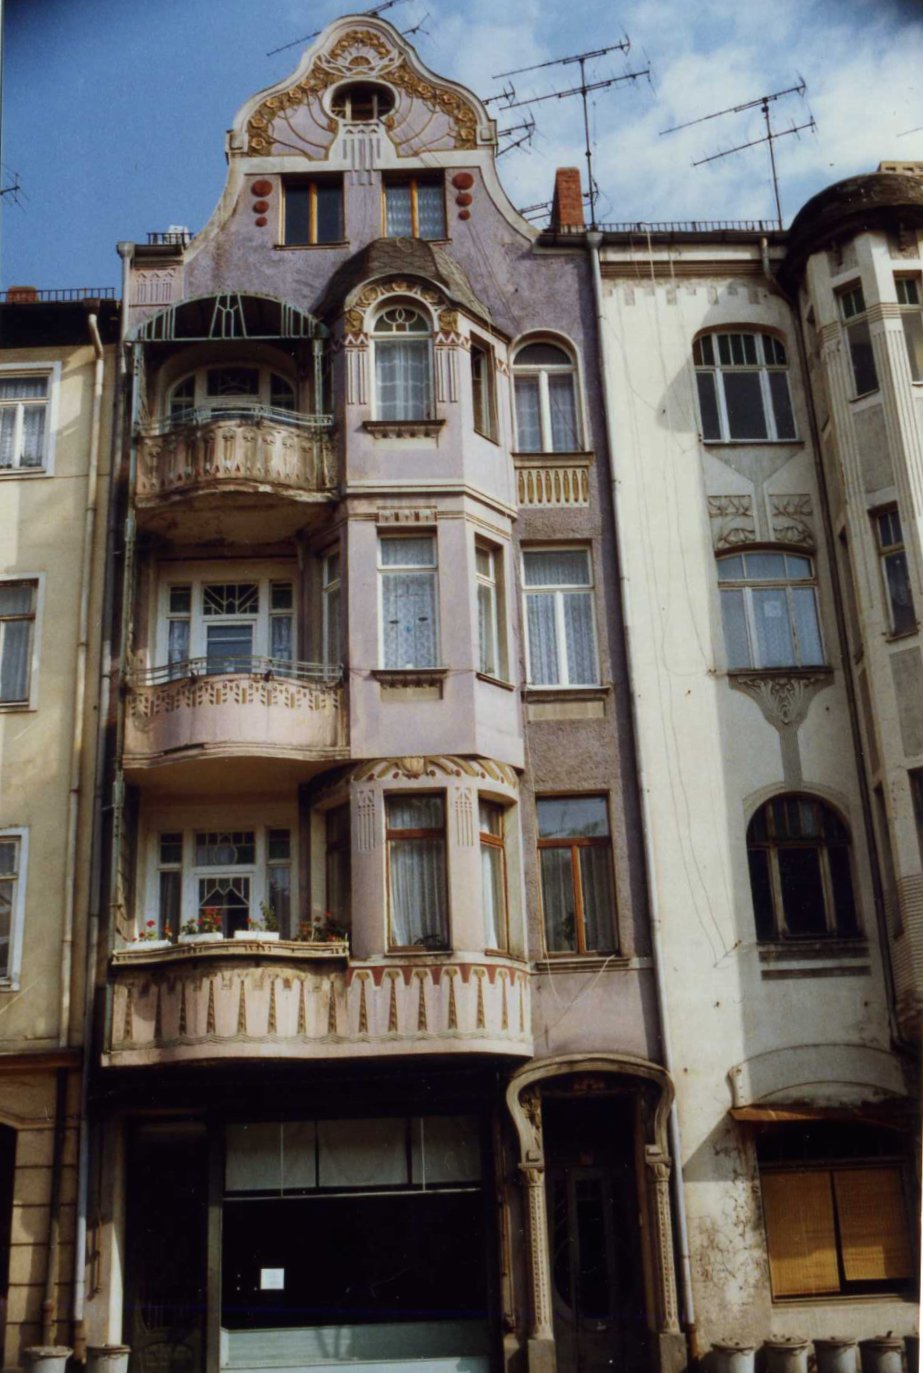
(414, 182)
(488, 430)
(498, 842)
(575, 844)
(396, 836)
(815, 843)
(887, 551)
(312, 183)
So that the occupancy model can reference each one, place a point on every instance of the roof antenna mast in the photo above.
(770, 136)
(582, 90)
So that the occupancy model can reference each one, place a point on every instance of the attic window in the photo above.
(361, 102)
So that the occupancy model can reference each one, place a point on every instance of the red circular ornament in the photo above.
(261, 187)
(262, 220)
(260, 207)
(462, 181)
(463, 199)
(464, 214)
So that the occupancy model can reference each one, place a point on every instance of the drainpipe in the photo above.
(50, 1303)
(593, 240)
(95, 890)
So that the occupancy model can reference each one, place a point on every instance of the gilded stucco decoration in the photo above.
(295, 119)
(399, 286)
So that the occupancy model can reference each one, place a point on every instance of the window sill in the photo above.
(582, 962)
(300, 247)
(830, 950)
(900, 1294)
(403, 429)
(298, 950)
(752, 443)
(866, 395)
(496, 681)
(892, 638)
(30, 473)
(403, 684)
(522, 455)
(417, 951)
(544, 692)
(15, 707)
(774, 674)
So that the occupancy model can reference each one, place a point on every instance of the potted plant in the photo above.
(322, 931)
(264, 927)
(205, 928)
(151, 939)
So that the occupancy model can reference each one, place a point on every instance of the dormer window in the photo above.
(362, 102)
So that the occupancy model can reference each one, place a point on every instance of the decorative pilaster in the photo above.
(539, 1271)
(658, 1175)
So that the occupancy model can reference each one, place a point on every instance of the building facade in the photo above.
(57, 372)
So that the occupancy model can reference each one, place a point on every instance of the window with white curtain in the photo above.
(17, 627)
(418, 903)
(403, 345)
(743, 387)
(23, 422)
(545, 386)
(493, 874)
(560, 629)
(415, 207)
(769, 609)
(12, 903)
(225, 627)
(407, 570)
(575, 852)
(488, 575)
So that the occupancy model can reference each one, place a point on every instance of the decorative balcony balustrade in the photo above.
(553, 481)
(248, 706)
(287, 1000)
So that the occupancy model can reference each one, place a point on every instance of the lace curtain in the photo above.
(402, 379)
(417, 871)
(15, 641)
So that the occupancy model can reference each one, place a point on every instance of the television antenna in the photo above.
(369, 14)
(528, 127)
(417, 28)
(583, 91)
(509, 94)
(14, 189)
(531, 212)
(763, 103)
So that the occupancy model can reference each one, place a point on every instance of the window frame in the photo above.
(886, 554)
(746, 585)
(312, 183)
(855, 323)
(197, 621)
(493, 582)
(820, 844)
(412, 569)
(574, 844)
(393, 835)
(496, 843)
(762, 367)
(911, 312)
(331, 589)
(338, 850)
(258, 872)
(232, 404)
(414, 180)
(484, 405)
(20, 835)
(424, 340)
(30, 370)
(541, 372)
(37, 582)
(344, 90)
(559, 592)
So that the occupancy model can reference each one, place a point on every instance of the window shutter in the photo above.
(800, 1233)
(873, 1224)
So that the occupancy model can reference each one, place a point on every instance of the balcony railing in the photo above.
(249, 414)
(173, 238)
(265, 669)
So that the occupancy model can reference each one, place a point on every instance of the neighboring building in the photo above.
(795, 1079)
(373, 693)
(56, 388)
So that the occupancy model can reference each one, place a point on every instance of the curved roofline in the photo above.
(160, 326)
(877, 200)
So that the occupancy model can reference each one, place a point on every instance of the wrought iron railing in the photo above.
(173, 238)
(266, 669)
(208, 414)
(26, 295)
(693, 226)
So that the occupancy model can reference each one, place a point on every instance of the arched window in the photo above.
(743, 387)
(403, 364)
(546, 399)
(769, 610)
(362, 102)
(231, 391)
(800, 871)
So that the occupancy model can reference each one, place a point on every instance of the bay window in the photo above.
(417, 897)
(488, 573)
(330, 609)
(12, 900)
(769, 610)
(742, 381)
(483, 390)
(407, 571)
(403, 345)
(561, 637)
(545, 388)
(859, 339)
(575, 853)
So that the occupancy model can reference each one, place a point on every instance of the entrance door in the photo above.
(598, 1292)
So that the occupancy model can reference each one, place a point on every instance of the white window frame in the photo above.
(559, 592)
(331, 592)
(201, 400)
(542, 372)
(20, 834)
(410, 569)
(31, 369)
(38, 581)
(381, 340)
(747, 585)
(198, 622)
(763, 370)
(851, 320)
(911, 311)
(493, 581)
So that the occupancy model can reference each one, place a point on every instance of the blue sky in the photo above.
(114, 111)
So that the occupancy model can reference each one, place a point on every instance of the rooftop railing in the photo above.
(171, 238)
(692, 226)
(266, 669)
(27, 295)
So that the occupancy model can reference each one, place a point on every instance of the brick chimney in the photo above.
(567, 206)
(21, 295)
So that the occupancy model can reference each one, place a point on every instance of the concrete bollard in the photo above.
(786, 1355)
(836, 1356)
(108, 1358)
(46, 1358)
(883, 1354)
(732, 1358)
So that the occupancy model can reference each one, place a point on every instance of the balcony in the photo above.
(222, 472)
(187, 716)
(298, 1001)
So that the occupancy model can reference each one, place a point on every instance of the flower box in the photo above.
(149, 945)
(211, 938)
(264, 936)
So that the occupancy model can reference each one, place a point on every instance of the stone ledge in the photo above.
(403, 429)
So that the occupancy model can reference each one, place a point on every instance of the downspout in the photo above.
(80, 686)
(593, 240)
(50, 1302)
(95, 891)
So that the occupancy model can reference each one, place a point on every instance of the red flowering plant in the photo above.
(323, 930)
(208, 922)
(149, 932)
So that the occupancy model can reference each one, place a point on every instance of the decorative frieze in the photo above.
(784, 696)
(792, 519)
(732, 520)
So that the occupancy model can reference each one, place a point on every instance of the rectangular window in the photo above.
(312, 211)
(488, 576)
(11, 902)
(276, 907)
(227, 627)
(493, 875)
(415, 207)
(330, 595)
(281, 624)
(178, 622)
(483, 391)
(23, 422)
(852, 310)
(418, 903)
(338, 872)
(908, 297)
(561, 633)
(17, 626)
(170, 885)
(220, 881)
(892, 556)
(575, 852)
(407, 568)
